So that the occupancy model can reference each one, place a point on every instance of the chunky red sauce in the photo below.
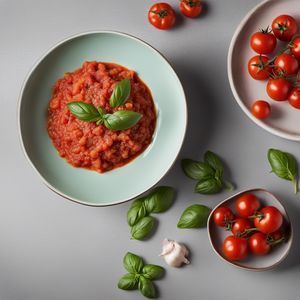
(92, 146)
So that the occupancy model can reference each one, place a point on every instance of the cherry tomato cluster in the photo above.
(254, 228)
(163, 16)
(281, 70)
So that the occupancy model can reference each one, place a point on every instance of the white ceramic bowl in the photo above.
(255, 263)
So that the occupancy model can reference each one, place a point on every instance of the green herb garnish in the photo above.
(120, 93)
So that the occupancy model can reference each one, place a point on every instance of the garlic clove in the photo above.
(174, 253)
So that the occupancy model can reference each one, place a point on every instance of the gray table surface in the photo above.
(55, 249)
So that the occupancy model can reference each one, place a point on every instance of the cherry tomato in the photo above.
(294, 98)
(296, 47)
(279, 89)
(258, 67)
(284, 27)
(268, 219)
(261, 109)
(247, 205)
(276, 235)
(298, 77)
(161, 15)
(240, 226)
(258, 244)
(263, 42)
(223, 216)
(287, 63)
(190, 8)
(235, 248)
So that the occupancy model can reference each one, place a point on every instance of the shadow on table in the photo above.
(293, 259)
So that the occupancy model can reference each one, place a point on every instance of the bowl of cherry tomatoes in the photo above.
(251, 230)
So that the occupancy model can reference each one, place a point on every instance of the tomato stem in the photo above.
(162, 13)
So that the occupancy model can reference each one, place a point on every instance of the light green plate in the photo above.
(131, 180)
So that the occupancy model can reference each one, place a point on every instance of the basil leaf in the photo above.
(160, 199)
(142, 228)
(153, 272)
(121, 120)
(133, 263)
(136, 212)
(120, 93)
(214, 161)
(128, 282)
(209, 186)
(196, 169)
(284, 165)
(146, 287)
(194, 216)
(84, 111)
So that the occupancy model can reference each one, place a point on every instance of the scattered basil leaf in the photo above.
(196, 169)
(128, 282)
(215, 162)
(133, 263)
(146, 287)
(121, 120)
(209, 186)
(120, 93)
(136, 212)
(142, 228)
(84, 111)
(153, 272)
(195, 216)
(284, 165)
(160, 199)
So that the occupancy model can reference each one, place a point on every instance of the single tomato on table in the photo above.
(295, 47)
(286, 63)
(259, 68)
(261, 109)
(278, 88)
(258, 244)
(284, 27)
(162, 15)
(235, 248)
(246, 205)
(190, 8)
(223, 216)
(263, 42)
(268, 219)
(294, 97)
(240, 227)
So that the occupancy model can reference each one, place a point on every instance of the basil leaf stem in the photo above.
(120, 93)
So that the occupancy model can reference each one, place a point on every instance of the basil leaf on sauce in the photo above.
(120, 93)
(195, 216)
(128, 282)
(142, 228)
(121, 120)
(133, 263)
(84, 111)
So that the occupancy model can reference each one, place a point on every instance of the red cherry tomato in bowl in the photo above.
(223, 216)
(240, 227)
(235, 248)
(263, 42)
(284, 27)
(161, 15)
(296, 47)
(286, 63)
(258, 244)
(268, 219)
(294, 98)
(190, 8)
(258, 67)
(261, 109)
(246, 205)
(279, 89)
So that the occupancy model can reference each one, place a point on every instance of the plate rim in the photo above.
(237, 32)
(33, 68)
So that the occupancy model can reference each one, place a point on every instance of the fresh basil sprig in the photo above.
(119, 120)
(209, 174)
(120, 93)
(194, 216)
(140, 275)
(158, 200)
(284, 165)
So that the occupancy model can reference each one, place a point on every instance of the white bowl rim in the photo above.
(290, 241)
(260, 123)
(35, 65)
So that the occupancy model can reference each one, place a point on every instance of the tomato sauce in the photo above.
(92, 146)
